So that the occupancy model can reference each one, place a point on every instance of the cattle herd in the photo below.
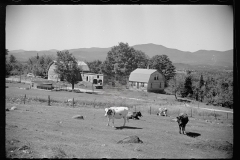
(122, 112)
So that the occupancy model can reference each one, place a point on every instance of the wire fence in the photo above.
(173, 110)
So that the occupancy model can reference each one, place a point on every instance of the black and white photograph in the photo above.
(119, 81)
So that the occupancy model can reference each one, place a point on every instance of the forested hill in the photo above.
(201, 57)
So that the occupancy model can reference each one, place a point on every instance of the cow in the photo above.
(162, 112)
(116, 113)
(182, 120)
(134, 115)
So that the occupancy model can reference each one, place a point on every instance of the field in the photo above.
(36, 130)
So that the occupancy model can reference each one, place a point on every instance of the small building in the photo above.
(42, 85)
(52, 75)
(149, 80)
(96, 79)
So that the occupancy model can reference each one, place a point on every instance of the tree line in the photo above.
(36, 65)
(210, 87)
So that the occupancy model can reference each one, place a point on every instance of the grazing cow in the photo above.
(134, 115)
(116, 113)
(162, 112)
(182, 120)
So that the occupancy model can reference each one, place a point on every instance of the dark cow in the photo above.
(134, 115)
(182, 120)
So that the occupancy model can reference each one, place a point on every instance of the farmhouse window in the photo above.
(97, 76)
(142, 85)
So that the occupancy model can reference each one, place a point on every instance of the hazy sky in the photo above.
(183, 27)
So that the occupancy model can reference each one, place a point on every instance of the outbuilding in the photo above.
(96, 79)
(42, 85)
(52, 75)
(149, 80)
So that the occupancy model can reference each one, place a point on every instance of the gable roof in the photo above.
(141, 75)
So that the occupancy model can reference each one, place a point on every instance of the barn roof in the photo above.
(83, 65)
(141, 75)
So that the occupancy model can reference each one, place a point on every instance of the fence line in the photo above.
(210, 109)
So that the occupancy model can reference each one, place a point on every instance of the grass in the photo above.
(112, 97)
(58, 152)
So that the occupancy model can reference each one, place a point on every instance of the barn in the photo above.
(149, 80)
(52, 75)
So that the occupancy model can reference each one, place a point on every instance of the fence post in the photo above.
(191, 112)
(73, 102)
(135, 108)
(150, 110)
(24, 98)
(94, 103)
(49, 100)
(227, 115)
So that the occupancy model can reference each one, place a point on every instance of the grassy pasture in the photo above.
(148, 103)
(36, 130)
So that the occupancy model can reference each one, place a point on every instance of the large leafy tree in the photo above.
(67, 67)
(123, 59)
(12, 59)
(176, 84)
(163, 64)
(95, 66)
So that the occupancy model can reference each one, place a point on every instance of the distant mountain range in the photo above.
(181, 59)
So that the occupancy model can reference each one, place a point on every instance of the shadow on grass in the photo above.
(192, 134)
(127, 127)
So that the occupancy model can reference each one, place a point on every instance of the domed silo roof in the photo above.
(84, 66)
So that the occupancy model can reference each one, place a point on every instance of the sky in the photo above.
(183, 27)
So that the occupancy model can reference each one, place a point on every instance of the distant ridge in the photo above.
(201, 57)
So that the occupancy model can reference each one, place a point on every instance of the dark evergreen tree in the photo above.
(187, 90)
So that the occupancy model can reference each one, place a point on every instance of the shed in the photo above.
(42, 85)
(52, 75)
(149, 80)
(96, 79)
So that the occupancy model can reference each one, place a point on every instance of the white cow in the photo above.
(116, 113)
(162, 111)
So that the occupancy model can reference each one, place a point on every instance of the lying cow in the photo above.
(134, 115)
(116, 113)
(162, 112)
(182, 120)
